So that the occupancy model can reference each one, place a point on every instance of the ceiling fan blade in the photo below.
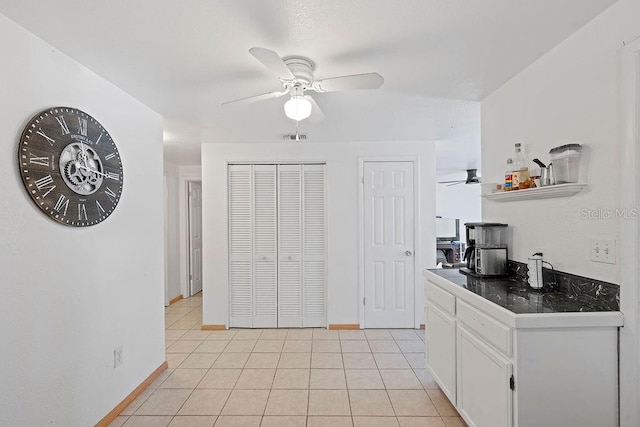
(256, 98)
(273, 62)
(316, 113)
(357, 81)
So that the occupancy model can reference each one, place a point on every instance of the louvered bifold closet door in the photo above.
(313, 246)
(240, 246)
(265, 310)
(289, 246)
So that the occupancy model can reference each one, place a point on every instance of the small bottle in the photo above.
(508, 175)
(520, 176)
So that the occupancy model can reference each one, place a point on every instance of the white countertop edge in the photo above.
(529, 320)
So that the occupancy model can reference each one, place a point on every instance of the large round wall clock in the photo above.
(70, 166)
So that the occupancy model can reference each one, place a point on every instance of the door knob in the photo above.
(408, 253)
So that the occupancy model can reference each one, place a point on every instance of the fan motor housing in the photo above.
(300, 67)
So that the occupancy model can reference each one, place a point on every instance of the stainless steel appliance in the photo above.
(486, 253)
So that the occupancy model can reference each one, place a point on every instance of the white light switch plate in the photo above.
(603, 251)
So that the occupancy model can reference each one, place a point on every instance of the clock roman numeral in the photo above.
(44, 181)
(63, 125)
(99, 206)
(82, 212)
(36, 160)
(44, 135)
(113, 175)
(110, 156)
(99, 138)
(110, 194)
(62, 203)
(82, 126)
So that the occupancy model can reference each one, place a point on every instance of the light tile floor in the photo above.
(289, 378)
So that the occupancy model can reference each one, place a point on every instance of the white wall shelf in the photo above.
(551, 191)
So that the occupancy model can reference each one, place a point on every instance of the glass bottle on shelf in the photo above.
(520, 176)
(508, 175)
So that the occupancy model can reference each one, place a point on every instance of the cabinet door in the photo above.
(440, 334)
(484, 394)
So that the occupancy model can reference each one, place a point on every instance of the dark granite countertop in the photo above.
(564, 295)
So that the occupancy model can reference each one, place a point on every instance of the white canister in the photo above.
(534, 265)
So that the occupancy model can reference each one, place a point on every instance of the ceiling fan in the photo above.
(296, 75)
(472, 178)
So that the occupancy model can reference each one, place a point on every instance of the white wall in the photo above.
(172, 232)
(460, 201)
(342, 160)
(70, 296)
(571, 94)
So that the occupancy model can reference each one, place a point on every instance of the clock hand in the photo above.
(94, 171)
(84, 152)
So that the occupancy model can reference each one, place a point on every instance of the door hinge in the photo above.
(191, 277)
(363, 179)
(364, 301)
(512, 383)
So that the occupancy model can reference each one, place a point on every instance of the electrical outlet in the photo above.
(117, 356)
(603, 251)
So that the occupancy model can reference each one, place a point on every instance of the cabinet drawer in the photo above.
(494, 332)
(441, 298)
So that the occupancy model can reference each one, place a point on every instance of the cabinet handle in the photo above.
(408, 253)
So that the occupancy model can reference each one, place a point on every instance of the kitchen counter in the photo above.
(514, 303)
(500, 350)
(518, 297)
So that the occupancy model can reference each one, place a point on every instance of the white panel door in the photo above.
(289, 246)
(195, 237)
(240, 246)
(313, 246)
(264, 247)
(388, 245)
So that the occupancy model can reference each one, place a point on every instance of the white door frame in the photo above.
(183, 198)
(165, 185)
(417, 252)
(629, 237)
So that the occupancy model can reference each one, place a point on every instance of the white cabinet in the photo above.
(441, 349)
(501, 369)
(277, 245)
(484, 393)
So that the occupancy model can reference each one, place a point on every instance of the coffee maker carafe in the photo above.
(486, 253)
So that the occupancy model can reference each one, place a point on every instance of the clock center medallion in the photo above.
(81, 168)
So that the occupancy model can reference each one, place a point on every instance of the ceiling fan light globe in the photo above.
(297, 108)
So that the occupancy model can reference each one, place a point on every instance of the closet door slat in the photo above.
(314, 246)
(240, 246)
(289, 246)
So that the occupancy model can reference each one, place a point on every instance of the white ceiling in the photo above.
(184, 58)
